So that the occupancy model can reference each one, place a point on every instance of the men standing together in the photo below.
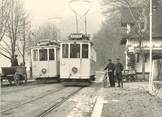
(115, 70)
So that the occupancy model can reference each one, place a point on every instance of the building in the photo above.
(135, 36)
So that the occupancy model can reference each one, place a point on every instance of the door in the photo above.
(75, 61)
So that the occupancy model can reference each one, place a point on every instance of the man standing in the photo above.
(14, 61)
(111, 67)
(118, 72)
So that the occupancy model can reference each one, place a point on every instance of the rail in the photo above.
(58, 104)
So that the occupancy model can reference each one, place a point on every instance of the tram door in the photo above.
(74, 62)
(52, 63)
(43, 63)
(85, 60)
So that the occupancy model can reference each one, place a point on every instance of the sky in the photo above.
(59, 13)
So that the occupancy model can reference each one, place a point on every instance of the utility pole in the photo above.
(24, 40)
(150, 74)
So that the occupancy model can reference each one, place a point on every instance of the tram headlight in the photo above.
(44, 70)
(74, 70)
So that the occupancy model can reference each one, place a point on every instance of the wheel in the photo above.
(17, 79)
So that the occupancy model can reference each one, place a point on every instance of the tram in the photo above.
(77, 59)
(45, 60)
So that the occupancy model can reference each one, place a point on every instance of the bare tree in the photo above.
(14, 28)
(4, 16)
(46, 31)
(23, 46)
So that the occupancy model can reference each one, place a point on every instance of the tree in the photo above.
(107, 41)
(46, 31)
(14, 28)
(24, 44)
(4, 16)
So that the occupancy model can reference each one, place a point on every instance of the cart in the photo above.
(16, 74)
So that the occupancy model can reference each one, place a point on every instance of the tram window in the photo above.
(35, 55)
(65, 50)
(43, 54)
(85, 51)
(51, 54)
(75, 51)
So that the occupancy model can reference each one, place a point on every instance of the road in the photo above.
(56, 100)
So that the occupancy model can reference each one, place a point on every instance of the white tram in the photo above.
(45, 60)
(77, 58)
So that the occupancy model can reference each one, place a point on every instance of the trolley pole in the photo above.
(150, 74)
(76, 21)
(77, 14)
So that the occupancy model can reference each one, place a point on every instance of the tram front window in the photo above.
(51, 54)
(75, 51)
(43, 54)
(65, 50)
(35, 55)
(84, 50)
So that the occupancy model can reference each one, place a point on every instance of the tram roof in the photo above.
(77, 41)
(49, 46)
(47, 43)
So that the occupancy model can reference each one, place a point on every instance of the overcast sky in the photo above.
(41, 10)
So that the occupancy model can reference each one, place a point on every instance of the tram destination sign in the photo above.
(77, 36)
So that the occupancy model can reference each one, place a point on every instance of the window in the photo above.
(65, 50)
(35, 55)
(75, 51)
(85, 51)
(51, 54)
(138, 57)
(43, 54)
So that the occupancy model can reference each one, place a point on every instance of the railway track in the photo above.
(9, 90)
(58, 103)
(32, 100)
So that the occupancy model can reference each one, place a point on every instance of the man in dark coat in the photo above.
(118, 72)
(111, 67)
(14, 61)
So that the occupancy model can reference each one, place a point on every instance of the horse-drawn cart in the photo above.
(15, 74)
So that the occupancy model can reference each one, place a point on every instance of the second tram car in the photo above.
(45, 60)
(77, 59)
